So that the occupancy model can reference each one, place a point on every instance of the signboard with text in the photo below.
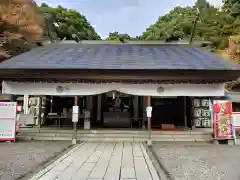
(222, 113)
(7, 121)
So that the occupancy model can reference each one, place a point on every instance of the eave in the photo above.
(126, 76)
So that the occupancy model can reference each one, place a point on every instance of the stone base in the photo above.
(228, 142)
(149, 142)
(215, 141)
(231, 142)
(74, 141)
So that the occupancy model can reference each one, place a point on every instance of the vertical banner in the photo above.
(222, 111)
(8, 114)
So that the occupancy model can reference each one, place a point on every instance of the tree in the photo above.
(116, 36)
(202, 4)
(213, 25)
(232, 8)
(63, 23)
(21, 27)
(177, 23)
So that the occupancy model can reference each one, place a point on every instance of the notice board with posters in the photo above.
(8, 121)
(222, 113)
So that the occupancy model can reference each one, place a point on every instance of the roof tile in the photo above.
(118, 56)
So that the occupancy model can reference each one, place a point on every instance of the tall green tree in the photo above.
(116, 36)
(232, 8)
(213, 25)
(202, 4)
(64, 23)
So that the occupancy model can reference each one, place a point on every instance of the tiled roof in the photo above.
(118, 56)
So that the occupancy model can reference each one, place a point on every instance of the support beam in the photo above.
(144, 101)
(149, 123)
(99, 107)
(25, 104)
(192, 125)
(185, 112)
(135, 106)
(40, 112)
(51, 106)
(89, 103)
(74, 138)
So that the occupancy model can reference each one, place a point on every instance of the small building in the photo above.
(115, 82)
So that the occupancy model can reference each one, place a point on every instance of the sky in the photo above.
(123, 16)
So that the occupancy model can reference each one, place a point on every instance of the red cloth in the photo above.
(16, 108)
(216, 108)
(228, 109)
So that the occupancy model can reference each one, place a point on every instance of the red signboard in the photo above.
(222, 113)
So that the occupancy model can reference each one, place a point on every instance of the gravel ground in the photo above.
(20, 158)
(199, 161)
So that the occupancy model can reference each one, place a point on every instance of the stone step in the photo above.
(156, 136)
(107, 138)
(113, 135)
(37, 130)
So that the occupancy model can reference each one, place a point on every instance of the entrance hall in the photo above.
(113, 110)
(163, 77)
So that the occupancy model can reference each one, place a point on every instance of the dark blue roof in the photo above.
(118, 56)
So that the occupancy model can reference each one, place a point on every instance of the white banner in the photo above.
(71, 89)
(7, 121)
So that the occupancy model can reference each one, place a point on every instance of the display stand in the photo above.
(8, 113)
(223, 126)
(201, 113)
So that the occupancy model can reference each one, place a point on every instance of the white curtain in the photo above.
(71, 89)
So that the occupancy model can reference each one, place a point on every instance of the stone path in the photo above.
(101, 161)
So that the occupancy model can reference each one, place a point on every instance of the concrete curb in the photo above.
(162, 171)
(151, 167)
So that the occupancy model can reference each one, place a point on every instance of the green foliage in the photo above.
(213, 24)
(116, 36)
(69, 22)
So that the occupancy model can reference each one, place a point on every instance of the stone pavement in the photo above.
(101, 161)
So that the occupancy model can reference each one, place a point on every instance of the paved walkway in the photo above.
(101, 161)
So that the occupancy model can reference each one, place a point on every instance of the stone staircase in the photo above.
(113, 135)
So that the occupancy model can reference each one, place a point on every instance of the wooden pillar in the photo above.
(25, 104)
(135, 106)
(185, 112)
(75, 100)
(51, 105)
(149, 122)
(74, 138)
(89, 103)
(99, 107)
(192, 124)
(144, 98)
(39, 111)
